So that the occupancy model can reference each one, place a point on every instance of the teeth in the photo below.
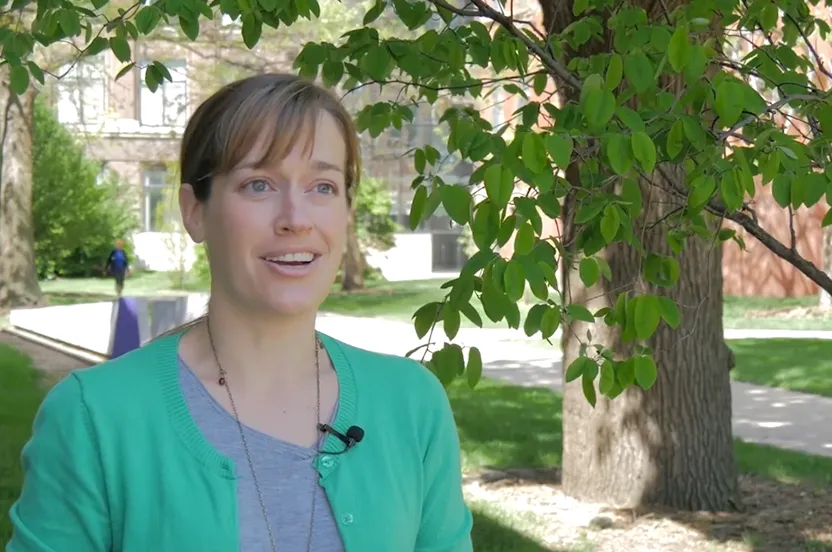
(293, 258)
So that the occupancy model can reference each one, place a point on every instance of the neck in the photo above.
(257, 352)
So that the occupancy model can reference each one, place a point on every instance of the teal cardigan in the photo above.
(116, 463)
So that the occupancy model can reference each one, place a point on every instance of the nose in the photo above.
(292, 212)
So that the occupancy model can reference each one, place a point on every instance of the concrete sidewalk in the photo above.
(776, 417)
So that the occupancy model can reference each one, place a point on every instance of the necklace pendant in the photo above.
(221, 381)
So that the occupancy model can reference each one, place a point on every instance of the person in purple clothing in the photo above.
(118, 265)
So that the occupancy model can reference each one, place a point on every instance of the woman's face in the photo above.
(276, 233)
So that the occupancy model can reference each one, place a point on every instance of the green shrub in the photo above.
(76, 218)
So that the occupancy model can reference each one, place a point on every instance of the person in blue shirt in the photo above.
(118, 264)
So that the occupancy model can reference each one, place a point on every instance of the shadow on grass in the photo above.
(507, 426)
(492, 535)
(795, 364)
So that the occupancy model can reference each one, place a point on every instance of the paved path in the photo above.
(765, 415)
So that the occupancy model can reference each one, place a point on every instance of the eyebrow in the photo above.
(317, 164)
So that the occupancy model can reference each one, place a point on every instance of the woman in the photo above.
(246, 430)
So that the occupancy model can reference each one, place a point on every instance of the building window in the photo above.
(168, 105)
(158, 201)
(82, 91)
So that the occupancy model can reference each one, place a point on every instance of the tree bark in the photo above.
(352, 273)
(671, 445)
(18, 277)
(825, 297)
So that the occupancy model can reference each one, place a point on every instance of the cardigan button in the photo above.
(347, 519)
(327, 461)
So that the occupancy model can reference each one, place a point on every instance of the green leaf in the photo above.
(827, 219)
(597, 103)
(374, 13)
(471, 314)
(376, 62)
(626, 373)
(618, 152)
(604, 267)
(670, 312)
(451, 321)
(424, 318)
(702, 188)
(499, 185)
(579, 312)
(610, 223)
(457, 203)
(588, 271)
(579, 7)
(639, 71)
(190, 27)
(533, 319)
(575, 369)
(514, 281)
(771, 167)
(36, 71)
(678, 51)
(729, 102)
(549, 323)
(732, 192)
(474, 368)
(534, 153)
(539, 83)
(645, 371)
(630, 118)
(588, 385)
(675, 138)
(524, 240)
(19, 79)
(147, 19)
(251, 31)
(615, 71)
(647, 313)
(560, 149)
(606, 382)
(120, 48)
(417, 207)
(644, 150)
(69, 22)
(782, 190)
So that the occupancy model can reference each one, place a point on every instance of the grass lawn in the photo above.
(795, 364)
(743, 313)
(20, 395)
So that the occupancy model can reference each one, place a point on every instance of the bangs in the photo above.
(265, 129)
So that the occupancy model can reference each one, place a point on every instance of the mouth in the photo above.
(292, 260)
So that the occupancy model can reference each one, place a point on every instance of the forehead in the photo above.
(320, 145)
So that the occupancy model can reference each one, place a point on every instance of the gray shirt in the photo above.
(284, 472)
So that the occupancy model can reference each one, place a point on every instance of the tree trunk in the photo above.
(352, 273)
(671, 445)
(825, 297)
(18, 277)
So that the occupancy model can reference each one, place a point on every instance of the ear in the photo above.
(191, 209)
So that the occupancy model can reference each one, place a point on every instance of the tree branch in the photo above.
(773, 244)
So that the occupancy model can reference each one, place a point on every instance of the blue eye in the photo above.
(326, 188)
(258, 186)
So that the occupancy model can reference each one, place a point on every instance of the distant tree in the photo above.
(77, 212)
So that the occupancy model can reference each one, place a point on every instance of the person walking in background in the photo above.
(117, 265)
